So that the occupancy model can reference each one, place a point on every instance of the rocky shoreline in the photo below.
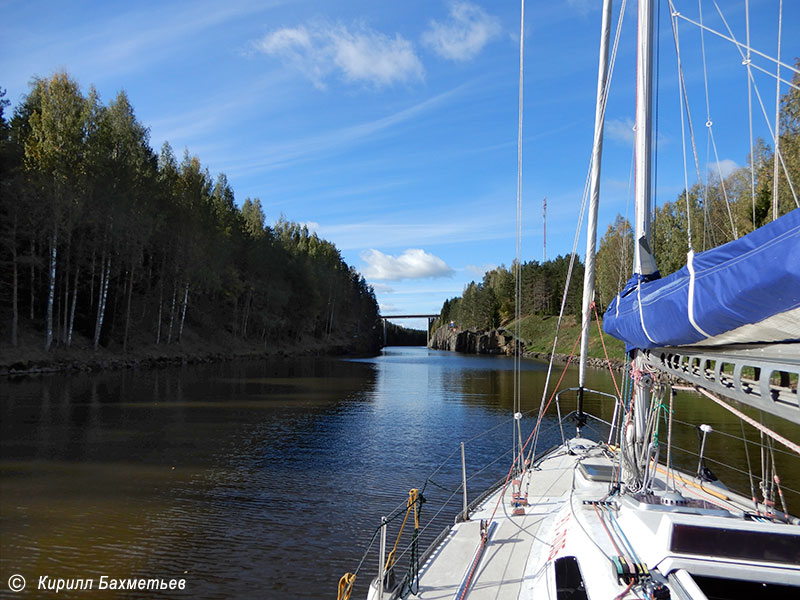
(500, 341)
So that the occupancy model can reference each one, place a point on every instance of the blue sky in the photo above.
(390, 127)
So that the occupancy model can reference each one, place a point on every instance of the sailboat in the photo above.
(614, 518)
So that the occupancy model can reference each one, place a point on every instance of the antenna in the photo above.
(544, 229)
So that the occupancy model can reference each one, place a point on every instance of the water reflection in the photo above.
(256, 477)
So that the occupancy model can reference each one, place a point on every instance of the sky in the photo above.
(390, 128)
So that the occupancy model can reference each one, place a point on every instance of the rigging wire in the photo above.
(775, 172)
(654, 188)
(736, 437)
(723, 464)
(517, 434)
(674, 23)
(740, 46)
(711, 142)
(745, 60)
(749, 468)
(750, 83)
(764, 429)
(584, 200)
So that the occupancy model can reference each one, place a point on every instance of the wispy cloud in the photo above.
(382, 288)
(464, 34)
(623, 131)
(724, 167)
(392, 234)
(582, 6)
(281, 155)
(620, 130)
(356, 55)
(480, 270)
(312, 226)
(97, 47)
(414, 263)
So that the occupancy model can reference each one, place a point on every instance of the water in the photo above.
(255, 478)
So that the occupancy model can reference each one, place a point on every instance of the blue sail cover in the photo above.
(747, 290)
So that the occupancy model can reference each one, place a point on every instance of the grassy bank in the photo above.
(539, 331)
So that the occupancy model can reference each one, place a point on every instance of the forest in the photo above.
(106, 244)
(716, 211)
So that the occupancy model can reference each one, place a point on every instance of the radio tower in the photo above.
(544, 229)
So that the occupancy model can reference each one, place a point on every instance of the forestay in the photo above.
(747, 290)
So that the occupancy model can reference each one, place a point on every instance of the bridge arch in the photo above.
(430, 318)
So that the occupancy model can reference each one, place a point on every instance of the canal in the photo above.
(256, 478)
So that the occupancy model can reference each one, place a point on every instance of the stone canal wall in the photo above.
(499, 341)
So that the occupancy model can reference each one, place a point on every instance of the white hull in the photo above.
(562, 520)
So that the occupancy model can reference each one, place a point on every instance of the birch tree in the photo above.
(53, 156)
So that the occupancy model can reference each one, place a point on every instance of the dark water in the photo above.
(257, 479)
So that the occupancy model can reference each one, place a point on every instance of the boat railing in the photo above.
(764, 376)
(443, 499)
(714, 462)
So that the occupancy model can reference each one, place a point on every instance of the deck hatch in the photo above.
(597, 472)
(569, 580)
(740, 544)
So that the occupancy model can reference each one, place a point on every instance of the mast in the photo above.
(594, 200)
(644, 264)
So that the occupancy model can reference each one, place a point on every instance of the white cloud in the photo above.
(413, 263)
(726, 166)
(480, 270)
(312, 226)
(360, 55)
(286, 40)
(620, 130)
(468, 29)
(382, 288)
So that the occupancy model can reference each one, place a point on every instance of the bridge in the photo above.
(430, 318)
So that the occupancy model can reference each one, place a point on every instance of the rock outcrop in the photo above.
(500, 341)
(495, 341)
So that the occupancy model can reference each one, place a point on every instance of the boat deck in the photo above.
(501, 569)
(568, 516)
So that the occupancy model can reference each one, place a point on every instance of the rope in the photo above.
(539, 419)
(762, 428)
(625, 592)
(605, 527)
(412, 501)
(346, 582)
(410, 584)
(530, 437)
(608, 360)
(346, 586)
